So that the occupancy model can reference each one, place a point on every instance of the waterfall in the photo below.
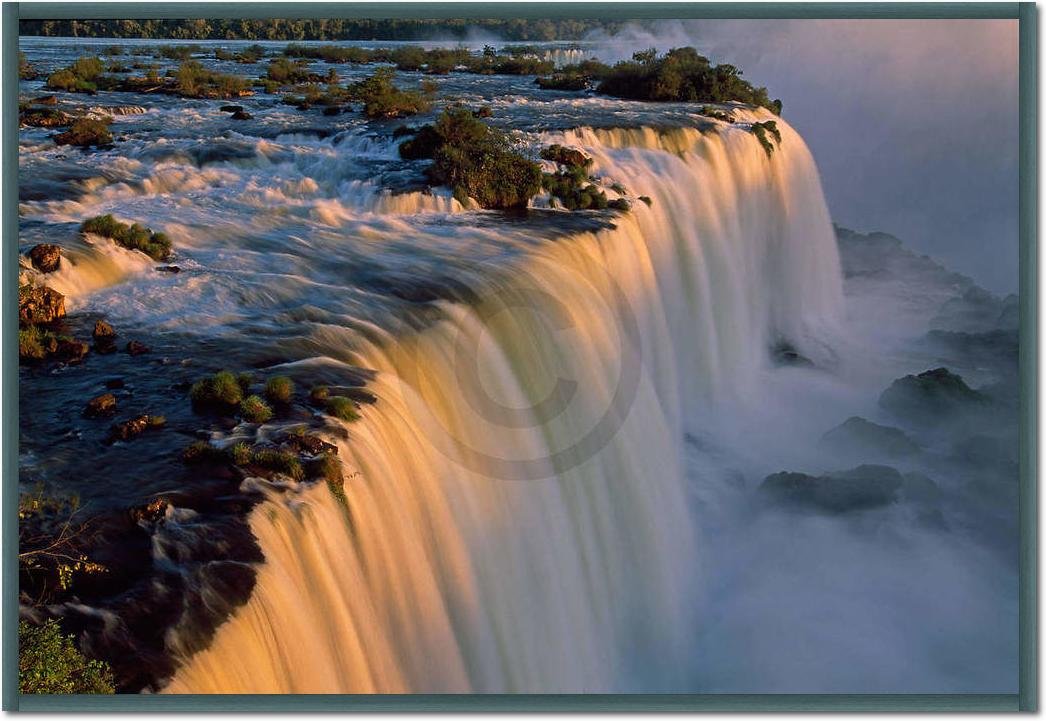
(516, 515)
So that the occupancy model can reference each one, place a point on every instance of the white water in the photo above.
(493, 545)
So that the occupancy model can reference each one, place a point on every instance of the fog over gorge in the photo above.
(913, 123)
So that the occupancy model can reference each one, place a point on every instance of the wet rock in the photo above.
(331, 110)
(135, 348)
(150, 512)
(920, 489)
(103, 405)
(858, 489)
(134, 427)
(241, 115)
(930, 396)
(46, 100)
(70, 350)
(308, 444)
(45, 257)
(785, 354)
(39, 304)
(570, 157)
(860, 437)
(168, 269)
(231, 108)
(45, 118)
(103, 331)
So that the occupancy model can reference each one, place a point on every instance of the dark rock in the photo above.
(135, 348)
(332, 110)
(241, 115)
(39, 304)
(103, 330)
(45, 257)
(45, 118)
(785, 354)
(103, 405)
(570, 157)
(858, 489)
(134, 427)
(858, 436)
(168, 269)
(70, 350)
(920, 489)
(150, 512)
(46, 100)
(231, 108)
(930, 396)
(308, 444)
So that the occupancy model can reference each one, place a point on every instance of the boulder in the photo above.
(45, 257)
(103, 330)
(332, 110)
(231, 108)
(134, 427)
(135, 348)
(39, 304)
(858, 489)
(150, 512)
(930, 396)
(570, 157)
(860, 437)
(241, 115)
(168, 269)
(45, 118)
(103, 405)
(46, 100)
(70, 350)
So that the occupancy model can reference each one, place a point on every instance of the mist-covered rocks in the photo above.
(931, 396)
(860, 488)
(860, 437)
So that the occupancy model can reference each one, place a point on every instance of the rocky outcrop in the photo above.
(134, 427)
(45, 257)
(931, 396)
(39, 304)
(858, 489)
(860, 437)
(103, 405)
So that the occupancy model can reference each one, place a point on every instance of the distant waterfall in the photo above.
(517, 518)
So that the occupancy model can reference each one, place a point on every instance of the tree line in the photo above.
(515, 29)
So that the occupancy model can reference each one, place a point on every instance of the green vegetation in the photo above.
(193, 80)
(717, 114)
(279, 389)
(274, 460)
(382, 99)
(221, 392)
(474, 160)
(85, 133)
(681, 75)
(254, 410)
(245, 380)
(284, 71)
(174, 52)
(572, 186)
(327, 468)
(436, 61)
(761, 130)
(133, 237)
(513, 30)
(318, 395)
(50, 663)
(52, 542)
(341, 407)
(563, 81)
(80, 77)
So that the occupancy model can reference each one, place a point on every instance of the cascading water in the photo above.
(516, 515)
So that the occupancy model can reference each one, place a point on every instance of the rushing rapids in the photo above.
(491, 543)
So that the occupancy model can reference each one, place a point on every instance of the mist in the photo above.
(913, 123)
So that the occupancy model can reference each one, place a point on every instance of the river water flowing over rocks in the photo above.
(711, 443)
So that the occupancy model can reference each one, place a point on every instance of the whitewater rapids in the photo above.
(517, 517)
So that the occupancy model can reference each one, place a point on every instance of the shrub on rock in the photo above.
(39, 304)
(220, 392)
(133, 237)
(254, 410)
(86, 133)
(343, 408)
(279, 389)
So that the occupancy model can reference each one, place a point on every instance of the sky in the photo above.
(913, 123)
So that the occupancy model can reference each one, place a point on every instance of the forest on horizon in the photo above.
(513, 29)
